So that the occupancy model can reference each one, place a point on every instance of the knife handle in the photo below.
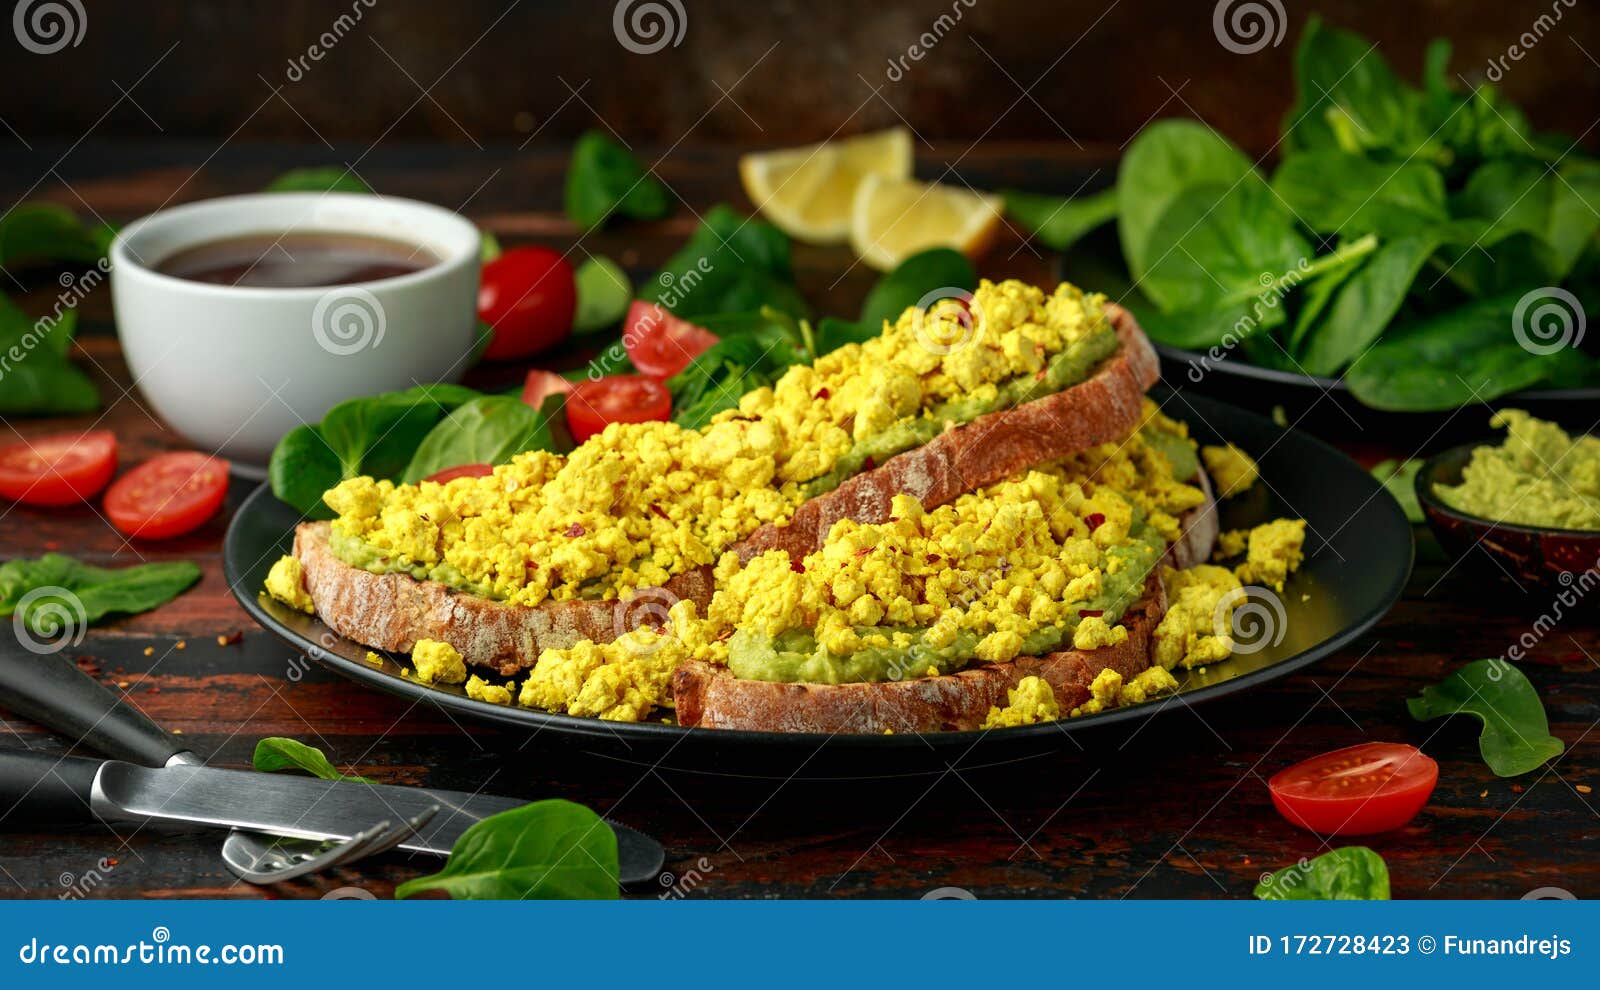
(53, 692)
(38, 788)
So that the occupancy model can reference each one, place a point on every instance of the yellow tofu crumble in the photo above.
(1029, 703)
(434, 661)
(286, 582)
(1230, 468)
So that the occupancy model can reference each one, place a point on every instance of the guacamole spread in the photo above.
(1540, 476)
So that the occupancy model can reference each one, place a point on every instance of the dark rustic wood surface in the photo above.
(1180, 811)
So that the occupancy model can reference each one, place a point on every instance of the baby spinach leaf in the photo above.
(320, 178)
(38, 379)
(1336, 193)
(730, 264)
(1197, 329)
(301, 468)
(89, 592)
(1351, 873)
(277, 753)
(912, 280)
(604, 179)
(754, 356)
(603, 294)
(1167, 159)
(1399, 478)
(1516, 734)
(1316, 297)
(1349, 99)
(1217, 246)
(1058, 222)
(1365, 304)
(1561, 208)
(487, 430)
(47, 232)
(546, 850)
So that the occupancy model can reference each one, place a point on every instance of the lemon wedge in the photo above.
(808, 191)
(892, 219)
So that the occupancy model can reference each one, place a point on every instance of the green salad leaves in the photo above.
(550, 849)
(1353, 873)
(604, 180)
(71, 592)
(1516, 733)
(278, 753)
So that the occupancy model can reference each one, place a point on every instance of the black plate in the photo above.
(1326, 407)
(1358, 558)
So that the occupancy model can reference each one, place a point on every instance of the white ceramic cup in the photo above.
(235, 368)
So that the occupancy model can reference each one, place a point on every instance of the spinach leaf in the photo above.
(1351, 873)
(277, 753)
(47, 232)
(36, 378)
(322, 178)
(1399, 478)
(1561, 207)
(1464, 354)
(301, 468)
(87, 592)
(1167, 159)
(1058, 222)
(1349, 99)
(604, 179)
(730, 264)
(1318, 294)
(548, 849)
(1335, 193)
(488, 247)
(754, 355)
(603, 294)
(833, 333)
(912, 280)
(1516, 734)
(1196, 329)
(487, 430)
(1365, 304)
(1217, 246)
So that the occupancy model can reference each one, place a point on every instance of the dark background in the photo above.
(485, 71)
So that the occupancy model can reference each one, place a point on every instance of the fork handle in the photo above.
(44, 788)
(54, 692)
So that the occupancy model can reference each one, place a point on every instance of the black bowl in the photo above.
(1545, 556)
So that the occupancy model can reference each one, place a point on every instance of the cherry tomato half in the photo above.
(168, 495)
(659, 344)
(461, 471)
(527, 296)
(540, 385)
(1374, 787)
(615, 399)
(58, 469)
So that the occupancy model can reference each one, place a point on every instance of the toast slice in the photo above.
(712, 697)
(393, 611)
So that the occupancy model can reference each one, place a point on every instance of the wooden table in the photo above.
(1182, 812)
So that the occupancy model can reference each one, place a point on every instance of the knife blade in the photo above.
(309, 808)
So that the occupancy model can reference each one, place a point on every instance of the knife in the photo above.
(52, 691)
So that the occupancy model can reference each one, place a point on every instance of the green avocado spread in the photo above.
(1540, 476)
(358, 553)
(795, 657)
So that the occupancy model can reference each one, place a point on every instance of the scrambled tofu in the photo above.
(287, 583)
(1232, 469)
(1108, 690)
(1272, 551)
(1197, 628)
(438, 662)
(479, 689)
(1029, 703)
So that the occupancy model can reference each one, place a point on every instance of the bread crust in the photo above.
(393, 611)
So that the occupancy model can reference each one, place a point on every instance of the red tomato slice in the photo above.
(659, 344)
(58, 469)
(527, 296)
(1374, 787)
(540, 385)
(593, 405)
(168, 495)
(461, 471)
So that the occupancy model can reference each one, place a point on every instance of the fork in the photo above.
(264, 860)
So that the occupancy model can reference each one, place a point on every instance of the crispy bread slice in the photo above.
(710, 696)
(393, 611)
